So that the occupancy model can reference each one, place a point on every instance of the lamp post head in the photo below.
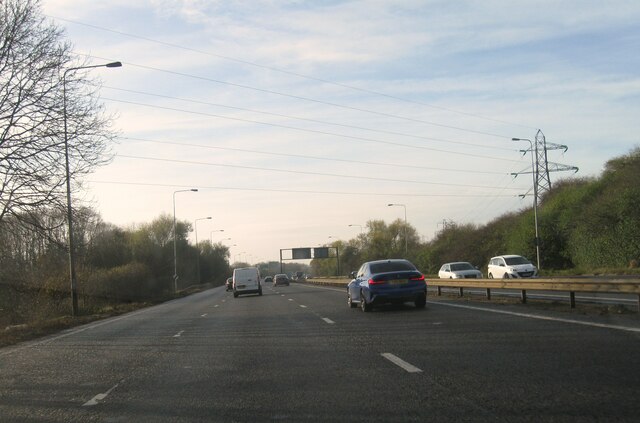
(194, 189)
(114, 65)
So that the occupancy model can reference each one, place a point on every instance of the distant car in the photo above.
(511, 266)
(386, 281)
(268, 279)
(229, 284)
(280, 279)
(459, 270)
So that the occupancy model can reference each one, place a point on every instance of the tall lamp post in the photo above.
(406, 249)
(534, 173)
(175, 248)
(195, 228)
(72, 258)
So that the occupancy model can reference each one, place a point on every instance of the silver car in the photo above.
(459, 270)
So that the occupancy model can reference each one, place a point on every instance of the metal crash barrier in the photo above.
(570, 285)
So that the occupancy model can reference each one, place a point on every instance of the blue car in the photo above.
(386, 281)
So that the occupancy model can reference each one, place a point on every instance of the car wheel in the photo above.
(364, 305)
(350, 301)
(421, 301)
(505, 276)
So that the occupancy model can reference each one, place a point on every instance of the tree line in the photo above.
(586, 225)
(114, 265)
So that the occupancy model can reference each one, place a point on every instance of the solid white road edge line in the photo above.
(95, 400)
(537, 316)
(401, 363)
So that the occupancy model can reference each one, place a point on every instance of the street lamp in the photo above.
(211, 234)
(175, 249)
(534, 173)
(72, 258)
(195, 228)
(406, 249)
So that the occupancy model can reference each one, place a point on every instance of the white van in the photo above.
(246, 280)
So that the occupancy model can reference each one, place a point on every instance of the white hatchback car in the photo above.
(459, 270)
(511, 266)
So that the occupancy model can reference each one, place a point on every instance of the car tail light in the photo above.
(374, 282)
(418, 278)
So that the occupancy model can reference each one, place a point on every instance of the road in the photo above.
(298, 353)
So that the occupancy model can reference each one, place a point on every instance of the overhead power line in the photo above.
(287, 72)
(277, 125)
(301, 172)
(301, 156)
(314, 100)
(342, 125)
(291, 191)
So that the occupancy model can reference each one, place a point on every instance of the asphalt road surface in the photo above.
(298, 353)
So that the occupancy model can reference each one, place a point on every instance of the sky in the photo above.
(296, 119)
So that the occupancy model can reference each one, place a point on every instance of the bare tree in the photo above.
(33, 58)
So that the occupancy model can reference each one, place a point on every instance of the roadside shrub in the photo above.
(131, 282)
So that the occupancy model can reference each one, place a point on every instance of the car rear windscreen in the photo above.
(461, 266)
(394, 266)
(513, 261)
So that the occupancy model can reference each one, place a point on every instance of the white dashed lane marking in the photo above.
(177, 335)
(329, 321)
(96, 400)
(401, 363)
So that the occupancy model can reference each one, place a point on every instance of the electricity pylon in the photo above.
(540, 168)
(540, 165)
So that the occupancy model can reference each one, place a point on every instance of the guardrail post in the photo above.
(461, 289)
(638, 303)
(523, 296)
(439, 290)
(489, 294)
(572, 299)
